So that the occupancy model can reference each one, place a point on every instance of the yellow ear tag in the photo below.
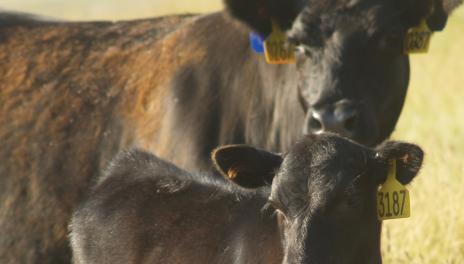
(418, 39)
(392, 197)
(276, 48)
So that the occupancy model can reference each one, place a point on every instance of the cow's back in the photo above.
(63, 87)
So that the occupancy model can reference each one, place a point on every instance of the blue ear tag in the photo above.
(257, 42)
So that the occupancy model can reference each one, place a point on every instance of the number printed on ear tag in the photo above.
(392, 197)
(276, 48)
(418, 39)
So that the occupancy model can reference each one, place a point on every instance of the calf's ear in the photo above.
(258, 14)
(408, 158)
(246, 166)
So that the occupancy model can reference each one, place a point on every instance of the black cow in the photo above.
(315, 204)
(73, 94)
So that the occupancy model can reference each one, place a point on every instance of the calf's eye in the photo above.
(348, 204)
(276, 205)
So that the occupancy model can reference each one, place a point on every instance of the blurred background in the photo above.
(433, 118)
(110, 9)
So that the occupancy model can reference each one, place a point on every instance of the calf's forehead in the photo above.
(315, 150)
(320, 159)
(316, 170)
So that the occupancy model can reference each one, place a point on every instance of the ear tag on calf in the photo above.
(418, 39)
(392, 197)
(257, 42)
(276, 48)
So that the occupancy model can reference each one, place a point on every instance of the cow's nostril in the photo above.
(350, 122)
(315, 125)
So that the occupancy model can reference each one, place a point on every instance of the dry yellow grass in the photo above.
(433, 118)
(110, 9)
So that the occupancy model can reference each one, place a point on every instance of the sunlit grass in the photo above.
(110, 9)
(432, 118)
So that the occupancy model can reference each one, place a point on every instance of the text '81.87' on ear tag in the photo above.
(276, 48)
(418, 39)
(392, 197)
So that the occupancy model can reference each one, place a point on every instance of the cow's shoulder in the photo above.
(214, 30)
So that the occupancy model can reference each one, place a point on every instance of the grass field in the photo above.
(110, 9)
(432, 118)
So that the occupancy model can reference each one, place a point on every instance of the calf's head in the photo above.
(324, 193)
(352, 71)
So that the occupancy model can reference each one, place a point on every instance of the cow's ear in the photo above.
(408, 158)
(258, 14)
(246, 166)
(441, 9)
(435, 12)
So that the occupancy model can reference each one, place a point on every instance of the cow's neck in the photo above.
(272, 117)
(219, 92)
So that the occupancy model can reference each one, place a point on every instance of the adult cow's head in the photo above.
(353, 73)
(324, 192)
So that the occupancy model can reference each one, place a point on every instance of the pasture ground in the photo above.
(433, 118)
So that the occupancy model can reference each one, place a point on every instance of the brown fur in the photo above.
(71, 95)
(315, 204)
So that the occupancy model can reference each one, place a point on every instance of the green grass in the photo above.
(432, 118)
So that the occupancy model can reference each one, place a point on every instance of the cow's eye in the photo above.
(390, 42)
(390, 39)
(300, 50)
(306, 51)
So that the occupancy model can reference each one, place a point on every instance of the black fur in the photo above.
(323, 190)
(408, 159)
(258, 14)
(178, 86)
